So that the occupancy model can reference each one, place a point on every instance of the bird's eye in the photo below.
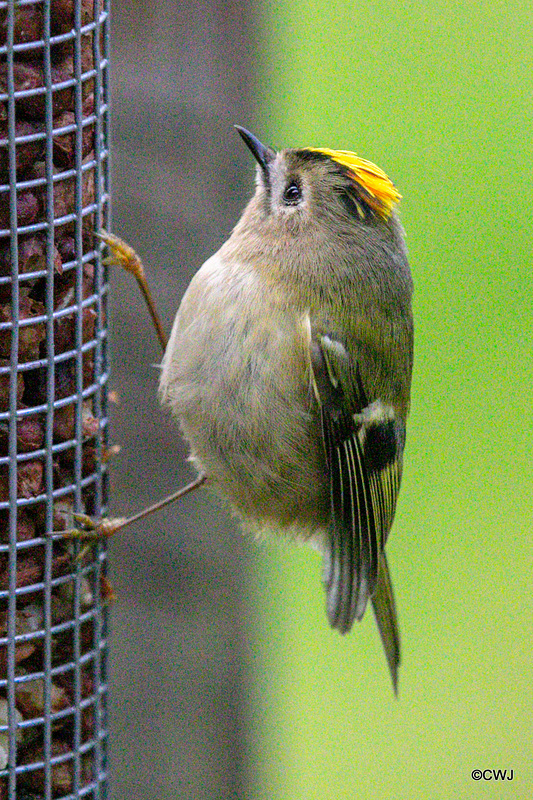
(292, 194)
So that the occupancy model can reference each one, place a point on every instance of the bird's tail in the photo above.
(385, 614)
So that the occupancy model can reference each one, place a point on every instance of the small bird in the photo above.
(289, 369)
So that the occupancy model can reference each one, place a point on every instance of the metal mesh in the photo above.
(53, 397)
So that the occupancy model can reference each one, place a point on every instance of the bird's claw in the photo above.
(121, 255)
(90, 529)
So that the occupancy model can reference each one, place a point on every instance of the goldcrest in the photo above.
(289, 369)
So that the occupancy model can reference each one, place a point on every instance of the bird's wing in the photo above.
(363, 444)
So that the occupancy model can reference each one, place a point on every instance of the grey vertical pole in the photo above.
(54, 194)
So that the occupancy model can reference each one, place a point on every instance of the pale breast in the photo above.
(236, 374)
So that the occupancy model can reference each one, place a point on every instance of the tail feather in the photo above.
(385, 614)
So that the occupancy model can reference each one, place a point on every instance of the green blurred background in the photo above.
(439, 95)
(226, 681)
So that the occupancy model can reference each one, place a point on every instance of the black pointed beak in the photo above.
(262, 154)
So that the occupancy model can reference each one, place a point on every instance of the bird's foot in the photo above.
(90, 529)
(121, 255)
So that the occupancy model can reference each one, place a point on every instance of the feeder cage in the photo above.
(54, 196)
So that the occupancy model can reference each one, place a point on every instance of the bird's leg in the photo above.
(90, 529)
(123, 256)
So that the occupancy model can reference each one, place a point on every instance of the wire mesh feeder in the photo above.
(53, 423)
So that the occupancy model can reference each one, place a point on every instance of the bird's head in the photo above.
(300, 186)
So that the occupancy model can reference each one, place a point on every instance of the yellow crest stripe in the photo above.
(373, 180)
